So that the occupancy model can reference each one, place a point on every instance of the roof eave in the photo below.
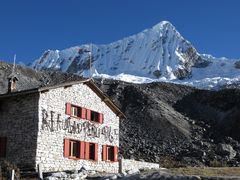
(12, 94)
(88, 82)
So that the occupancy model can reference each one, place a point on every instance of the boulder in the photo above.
(60, 175)
(133, 171)
(113, 177)
(226, 150)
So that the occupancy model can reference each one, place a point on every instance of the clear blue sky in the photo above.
(29, 27)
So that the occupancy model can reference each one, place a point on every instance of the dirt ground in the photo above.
(207, 171)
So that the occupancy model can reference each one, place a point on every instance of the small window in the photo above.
(110, 153)
(91, 151)
(94, 116)
(75, 111)
(3, 147)
(80, 150)
(74, 149)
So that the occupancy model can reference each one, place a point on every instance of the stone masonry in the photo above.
(36, 125)
(131, 164)
(50, 141)
(19, 123)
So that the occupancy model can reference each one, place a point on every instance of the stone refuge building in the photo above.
(62, 127)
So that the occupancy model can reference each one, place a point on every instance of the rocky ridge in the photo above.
(159, 53)
(155, 52)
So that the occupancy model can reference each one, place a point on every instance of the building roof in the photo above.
(88, 82)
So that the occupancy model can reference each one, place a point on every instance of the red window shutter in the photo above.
(96, 152)
(82, 149)
(87, 150)
(83, 113)
(88, 114)
(115, 153)
(104, 154)
(3, 146)
(66, 147)
(68, 108)
(100, 118)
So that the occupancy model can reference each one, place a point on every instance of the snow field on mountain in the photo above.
(156, 54)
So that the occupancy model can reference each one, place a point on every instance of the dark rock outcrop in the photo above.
(226, 150)
(237, 64)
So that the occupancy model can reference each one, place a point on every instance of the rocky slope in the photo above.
(29, 79)
(156, 54)
(165, 121)
(186, 125)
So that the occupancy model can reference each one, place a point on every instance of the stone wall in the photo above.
(18, 122)
(131, 164)
(53, 130)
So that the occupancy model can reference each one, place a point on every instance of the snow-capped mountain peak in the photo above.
(155, 54)
(163, 26)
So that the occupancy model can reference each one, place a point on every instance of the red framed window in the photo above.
(94, 116)
(110, 153)
(75, 111)
(93, 151)
(3, 147)
(80, 112)
(74, 150)
(80, 150)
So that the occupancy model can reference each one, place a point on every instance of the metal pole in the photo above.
(40, 174)
(90, 59)
(14, 63)
(12, 175)
(120, 164)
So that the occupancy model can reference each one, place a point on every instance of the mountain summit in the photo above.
(156, 54)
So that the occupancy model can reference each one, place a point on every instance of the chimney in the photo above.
(12, 84)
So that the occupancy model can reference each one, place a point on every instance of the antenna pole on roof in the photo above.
(14, 63)
(90, 59)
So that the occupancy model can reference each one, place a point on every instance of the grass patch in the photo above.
(207, 171)
(216, 163)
